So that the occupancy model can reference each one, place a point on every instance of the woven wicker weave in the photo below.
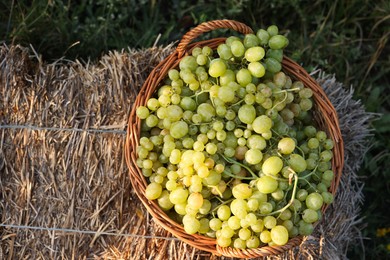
(325, 116)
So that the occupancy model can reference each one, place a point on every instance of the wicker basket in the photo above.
(325, 116)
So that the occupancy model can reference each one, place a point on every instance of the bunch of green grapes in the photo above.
(229, 146)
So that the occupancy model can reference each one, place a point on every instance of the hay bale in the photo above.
(64, 188)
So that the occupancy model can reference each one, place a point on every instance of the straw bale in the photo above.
(62, 131)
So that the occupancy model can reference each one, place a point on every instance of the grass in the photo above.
(345, 38)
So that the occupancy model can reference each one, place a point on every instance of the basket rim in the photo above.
(328, 116)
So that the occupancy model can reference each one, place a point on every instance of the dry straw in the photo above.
(325, 115)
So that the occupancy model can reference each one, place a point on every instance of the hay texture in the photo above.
(65, 192)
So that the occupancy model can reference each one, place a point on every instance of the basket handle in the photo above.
(210, 26)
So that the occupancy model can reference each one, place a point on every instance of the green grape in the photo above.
(256, 69)
(179, 129)
(234, 222)
(215, 224)
(253, 204)
(309, 215)
(328, 175)
(306, 104)
(221, 135)
(224, 241)
(206, 111)
(265, 208)
(147, 164)
(178, 196)
(297, 163)
(321, 136)
(244, 77)
(142, 112)
(224, 212)
(311, 163)
(286, 145)
(269, 222)
(224, 51)
(253, 242)
(164, 100)
(239, 208)
(173, 74)
(242, 191)
(326, 156)
(278, 195)
(272, 165)
(259, 98)
(206, 50)
(265, 236)
(195, 200)
(153, 104)
(328, 144)
(272, 65)
(310, 131)
(226, 231)
(249, 99)
(228, 77)
(254, 54)
(305, 93)
(250, 40)
(327, 197)
(239, 243)
(324, 166)
(201, 59)
(188, 62)
(217, 68)
(277, 42)
(153, 191)
(321, 187)
(226, 94)
(256, 142)
(211, 148)
(314, 201)
(253, 156)
(191, 224)
(289, 225)
(258, 226)
(286, 114)
(267, 184)
(305, 229)
(262, 124)
(151, 120)
(276, 54)
(164, 202)
(263, 36)
(229, 152)
(188, 103)
(279, 235)
(237, 48)
(302, 194)
(230, 114)
(204, 226)
(244, 234)
(230, 126)
(273, 30)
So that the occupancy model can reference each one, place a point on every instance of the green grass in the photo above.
(345, 38)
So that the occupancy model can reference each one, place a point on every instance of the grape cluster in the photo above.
(229, 146)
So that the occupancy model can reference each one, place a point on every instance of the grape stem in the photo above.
(229, 160)
(287, 90)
